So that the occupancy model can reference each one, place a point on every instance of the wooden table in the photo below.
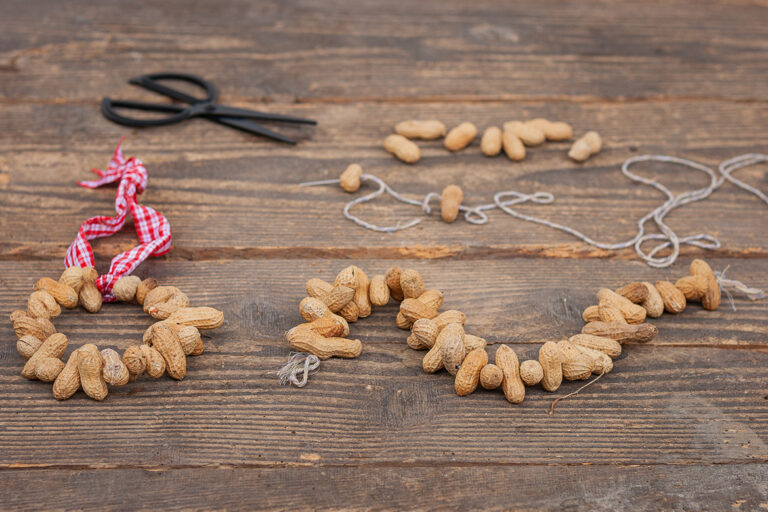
(681, 423)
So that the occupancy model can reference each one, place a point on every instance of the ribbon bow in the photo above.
(152, 227)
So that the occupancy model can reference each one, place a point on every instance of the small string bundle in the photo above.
(299, 364)
(505, 200)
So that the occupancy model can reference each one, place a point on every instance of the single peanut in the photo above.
(348, 276)
(134, 360)
(608, 313)
(601, 362)
(378, 291)
(411, 283)
(361, 298)
(512, 384)
(392, 278)
(513, 146)
(68, 381)
(90, 296)
(653, 304)
(305, 340)
(404, 149)
(551, 360)
(674, 300)
(125, 288)
(591, 313)
(531, 372)
(41, 304)
(711, 298)
(491, 376)
(423, 333)
(452, 347)
(622, 333)
(576, 365)
(460, 137)
(553, 130)
(421, 129)
(90, 366)
(608, 346)
(450, 201)
(414, 309)
(144, 288)
(432, 299)
(634, 292)
(64, 294)
(450, 316)
(490, 143)
(155, 363)
(192, 342)
(632, 313)
(468, 375)
(528, 133)
(201, 317)
(28, 345)
(350, 178)
(72, 277)
(589, 144)
(115, 372)
(165, 341)
(433, 359)
(693, 287)
(472, 342)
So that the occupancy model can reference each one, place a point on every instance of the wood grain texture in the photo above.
(229, 195)
(320, 487)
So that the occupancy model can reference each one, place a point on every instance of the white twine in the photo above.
(299, 364)
(666, 239)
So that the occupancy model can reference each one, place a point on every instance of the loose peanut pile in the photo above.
(165, 344)
(619, 317)
(513, 139)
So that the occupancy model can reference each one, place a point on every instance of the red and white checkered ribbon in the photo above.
(152, 227)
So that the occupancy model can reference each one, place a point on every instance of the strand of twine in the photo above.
(667, 238)
(574, 393)
(299, 364)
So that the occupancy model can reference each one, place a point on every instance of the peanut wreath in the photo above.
(165, 346)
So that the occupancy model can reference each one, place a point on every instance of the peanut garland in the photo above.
(165, 345)
(618, 317)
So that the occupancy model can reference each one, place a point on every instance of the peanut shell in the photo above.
(512, 385)
(468, 375)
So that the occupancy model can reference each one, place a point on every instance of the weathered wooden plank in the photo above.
(230, 195)
(367, 50)
(662, 404)
(318, 487)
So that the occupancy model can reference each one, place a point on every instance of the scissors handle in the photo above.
(150, 83)
(178, 112)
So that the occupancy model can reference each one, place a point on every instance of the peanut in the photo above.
(693, 287)
(90, 296)
(622, 333)
(378, 291)
(423, 334)
(490, 143)
(711, 299)
(48, 369)
(163, 301)
(511, 384)
(134, 360)
(311, 309)
(411, 283)
(305, 340)
(144, 288)
(41, 304)
(576, 365)
(608, 346)
(472, 342)
(89, 366)
(634, 292)
(551, 360)
(460, 137)
(337, 298)
(526, 132)
(64, 294)
(155, 363)
(589, 144)
(326, 326)
(68, 381)
(348, 277)
(201, 317)
(361, 298)
(125, 288)
(350, 178)
(449, 316)
(452, 347)
(414, 309)
(392, 278)
(165, 341)
(418, 129)
(632, 313)
(468, 375)
(513, 146)
(432, 298)
(553, 130)
(450, 201)
(25, 325)
(404, 149)
(531, 372)
(28, 345)
(608, 313)
(191, 341)
(415, 343)
(72, 277)
(491, 376)
(653, 304)
(674, 300)
(402, 322)
(601, 363)
(433, 359)
(591, 313)
(115, 372)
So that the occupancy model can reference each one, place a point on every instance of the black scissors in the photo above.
(198, 107)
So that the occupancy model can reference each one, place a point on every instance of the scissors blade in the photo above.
(222, 111)
(251, 127)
